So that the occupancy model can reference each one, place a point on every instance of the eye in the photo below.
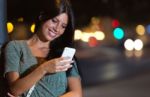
(63, 26)
(54, 20)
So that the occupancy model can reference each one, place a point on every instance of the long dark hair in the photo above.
(50, 9)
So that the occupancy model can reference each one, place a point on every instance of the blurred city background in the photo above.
(112, 39)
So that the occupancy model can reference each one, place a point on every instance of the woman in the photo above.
(37, 62)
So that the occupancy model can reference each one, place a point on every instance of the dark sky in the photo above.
(131, 11)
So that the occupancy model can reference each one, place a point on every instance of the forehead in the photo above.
(62, 16)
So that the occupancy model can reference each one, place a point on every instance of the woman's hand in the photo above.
(10, 95)
(57, 65)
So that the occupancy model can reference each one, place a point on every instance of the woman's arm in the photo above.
(75, 88)
(20, 85)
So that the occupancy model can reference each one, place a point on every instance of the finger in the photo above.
(10, 95)
(63, 68)
(65, 62)
(57, 60)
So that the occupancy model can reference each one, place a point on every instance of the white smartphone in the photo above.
(69, 52)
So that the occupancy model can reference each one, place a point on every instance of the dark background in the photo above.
(127, 11)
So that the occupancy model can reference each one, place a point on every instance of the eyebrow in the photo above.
(65, 24)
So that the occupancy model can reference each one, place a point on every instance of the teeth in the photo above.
(52, 34)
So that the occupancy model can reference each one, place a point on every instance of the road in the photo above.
(108, 72)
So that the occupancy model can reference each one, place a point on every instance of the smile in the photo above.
(51, 33)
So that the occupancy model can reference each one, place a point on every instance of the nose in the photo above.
(56, 28)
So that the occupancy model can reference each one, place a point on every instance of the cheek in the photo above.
(62, 32)
(44, 28)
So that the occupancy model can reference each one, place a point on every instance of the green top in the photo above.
(19, 58)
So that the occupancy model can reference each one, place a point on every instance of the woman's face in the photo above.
(55, 27)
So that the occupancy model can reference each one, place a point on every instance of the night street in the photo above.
(107, 72)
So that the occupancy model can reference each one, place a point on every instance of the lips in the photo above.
(51, 33)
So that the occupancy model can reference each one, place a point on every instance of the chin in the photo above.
(51, 38)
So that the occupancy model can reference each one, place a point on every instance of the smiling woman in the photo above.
(55, 27)
(33, 66)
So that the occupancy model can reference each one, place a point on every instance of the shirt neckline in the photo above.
(25, 42)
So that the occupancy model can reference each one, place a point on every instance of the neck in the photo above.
(35, 41)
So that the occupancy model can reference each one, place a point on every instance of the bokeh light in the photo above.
(138, 44)
(99, 35)
(85, 37)
(140, 29)
(92, 42)
(129, 44)
(148, 29)
(21, 19)
(78, 34)
(32, 27)
(118, 33)
(10, 27)
(138, 54)
(115, 23)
